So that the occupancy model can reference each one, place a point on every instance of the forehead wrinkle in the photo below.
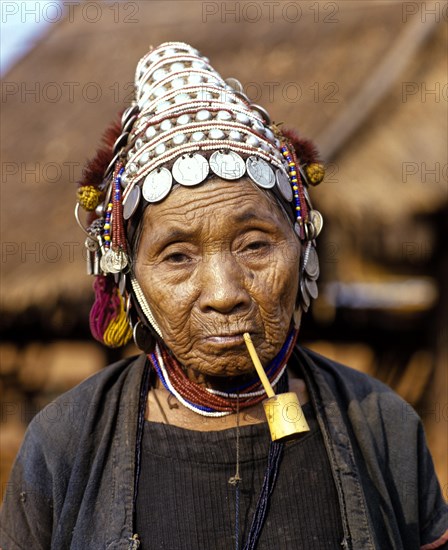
(202, 199)
(172, 228)
(194, 209)
(191, 204)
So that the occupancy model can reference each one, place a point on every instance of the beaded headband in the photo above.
(185, 124)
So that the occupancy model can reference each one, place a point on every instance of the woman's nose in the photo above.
(221, 280)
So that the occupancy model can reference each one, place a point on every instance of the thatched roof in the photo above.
(305, 72)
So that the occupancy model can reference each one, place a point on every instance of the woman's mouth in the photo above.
(225, 339)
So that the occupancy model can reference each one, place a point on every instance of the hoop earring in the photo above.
(143, 337)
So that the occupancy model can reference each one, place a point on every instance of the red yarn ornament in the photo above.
(93, 172)
(105, 308)
(305, 149)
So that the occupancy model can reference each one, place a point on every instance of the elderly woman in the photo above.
(201, 236)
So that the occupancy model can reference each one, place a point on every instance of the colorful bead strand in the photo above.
(106, 227)
(295, 182)
(304, 207)
(118, 238)
(215, 403)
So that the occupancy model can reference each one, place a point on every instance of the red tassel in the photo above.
(94, 169)
(305, 149)
(105, 308)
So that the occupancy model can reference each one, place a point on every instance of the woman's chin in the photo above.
(225, 365)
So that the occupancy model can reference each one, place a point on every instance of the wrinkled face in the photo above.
(215, 261)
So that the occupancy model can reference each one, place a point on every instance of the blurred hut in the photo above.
(366, 80)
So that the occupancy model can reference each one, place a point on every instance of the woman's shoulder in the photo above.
(92, 401)
(331, 368)
(111, 375)
(351, 386)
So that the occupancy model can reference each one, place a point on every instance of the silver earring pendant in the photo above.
(143, 338)
(309, 274)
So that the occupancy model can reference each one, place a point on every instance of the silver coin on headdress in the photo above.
(103, 266)
(235, 84)
(115, 261)
(128, 113)
(304, 294)
(227, 165)
(129, 123)
(131, 169)
(190, 169)
(91, 244)
(111, 165)
(317, 221)
(260, 172)
(157, 185)
(284, 184)
(312, 264)
(261, 111)
(311, 287)
(130, 202)
(120, 142)
(124, 180)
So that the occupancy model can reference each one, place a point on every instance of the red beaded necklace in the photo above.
(204, 401)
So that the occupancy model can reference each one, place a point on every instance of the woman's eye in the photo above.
(177, 258)
(256, 246)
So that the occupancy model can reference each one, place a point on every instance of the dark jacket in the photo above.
(72, 484)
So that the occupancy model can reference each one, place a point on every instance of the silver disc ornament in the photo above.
(157, 185)
(260, 172)
(128, 113)
(235, 84)
(113, 262)
(117, 261)
(227, 165)
(262, 111)
(317, 221)
(305, 296)
(104, 262)
(312, 264)
(190, 169)
(130, 202)
(91, 244)
(311, 287)
(298, 230)
(284, 184)
(120, 142)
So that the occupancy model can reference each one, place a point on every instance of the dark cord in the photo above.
(270, 477)
(236, 479)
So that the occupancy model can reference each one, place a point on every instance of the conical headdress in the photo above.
(185, 125)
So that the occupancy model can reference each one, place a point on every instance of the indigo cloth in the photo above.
(187, 473)
(72, 485)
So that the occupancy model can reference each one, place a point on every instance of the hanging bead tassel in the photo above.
(103, 308)
(118, 332)
(297, 187)
(108, 322)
